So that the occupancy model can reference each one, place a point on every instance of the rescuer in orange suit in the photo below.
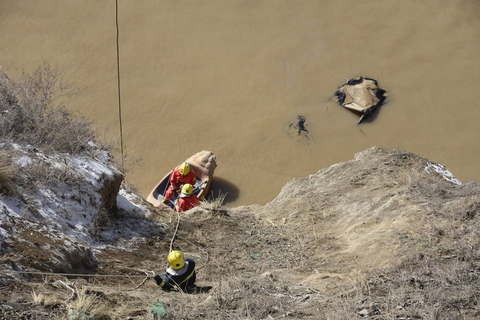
(181, 175)
(188, 199)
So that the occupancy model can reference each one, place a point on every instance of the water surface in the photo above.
(229, 76)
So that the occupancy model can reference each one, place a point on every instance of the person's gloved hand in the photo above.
(160, 279)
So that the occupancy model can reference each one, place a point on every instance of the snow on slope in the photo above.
(67, 202)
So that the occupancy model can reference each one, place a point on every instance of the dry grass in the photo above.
(46, 300)
(214, 205)
(84, 307)
(237, 298)
(438, 276)
(35, 176)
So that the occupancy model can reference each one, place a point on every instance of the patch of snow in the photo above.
(126, 201)
(10, 208)
(23, 161)
(3, 235)
(440, 169)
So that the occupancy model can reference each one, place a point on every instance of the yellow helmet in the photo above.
(184, 169)
(175, 259)
(187, 189)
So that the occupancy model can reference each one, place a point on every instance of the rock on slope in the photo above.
(361, 203)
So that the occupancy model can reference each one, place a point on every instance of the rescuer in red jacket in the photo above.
(181, 175)
(188, 199)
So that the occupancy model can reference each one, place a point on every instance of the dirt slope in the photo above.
(372, 238)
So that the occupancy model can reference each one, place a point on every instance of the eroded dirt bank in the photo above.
(386, 235)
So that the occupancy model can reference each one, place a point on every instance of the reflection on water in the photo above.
(222, 187)
(371, 118)
(229, 76)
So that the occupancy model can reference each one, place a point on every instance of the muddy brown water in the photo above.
(229, 76)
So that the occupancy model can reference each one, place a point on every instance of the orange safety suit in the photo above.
(187, 202)
(176, 181)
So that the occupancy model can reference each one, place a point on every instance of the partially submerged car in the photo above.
(361, 95)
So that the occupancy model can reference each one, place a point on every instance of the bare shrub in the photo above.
(214, 205)
(84, 307)
(46, 300)
(34, 110)
(37, 175)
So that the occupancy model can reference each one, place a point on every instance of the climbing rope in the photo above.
(175, 232)
(118, 86)
(175, 235)
(146, 276)
(204, 251)
(75, 274)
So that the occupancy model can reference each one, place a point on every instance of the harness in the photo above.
(188, 277)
